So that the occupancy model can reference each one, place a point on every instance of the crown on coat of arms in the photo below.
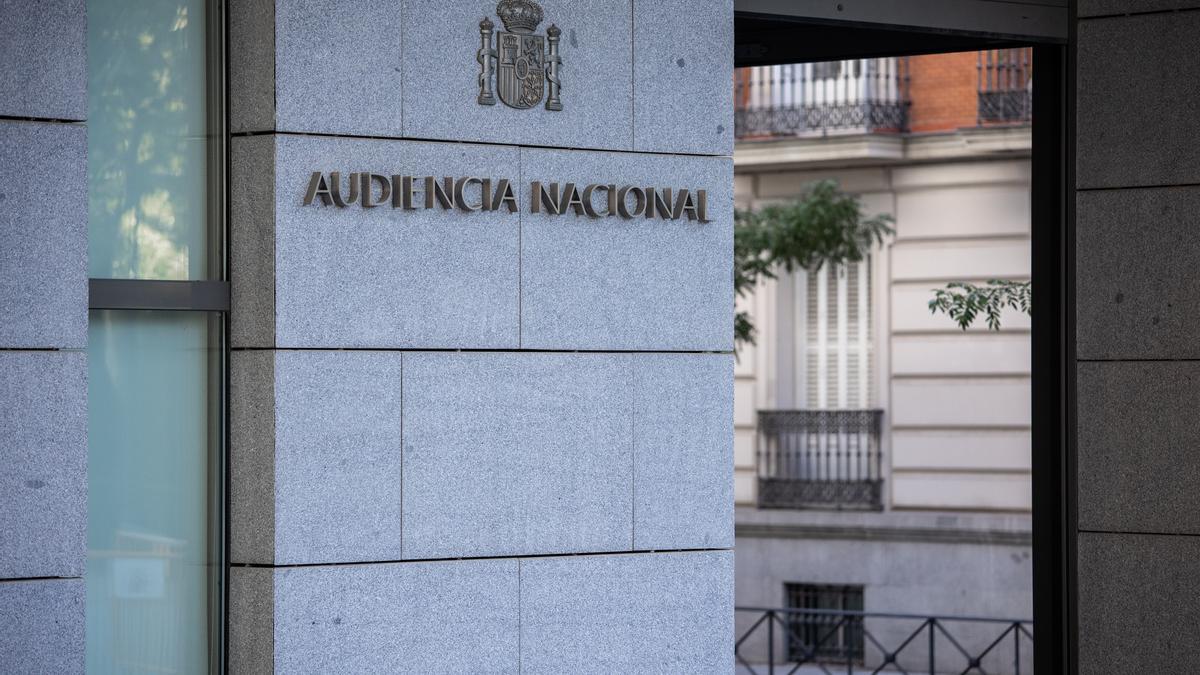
(519, 16)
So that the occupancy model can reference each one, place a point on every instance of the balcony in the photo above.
(1005, 86)
(817, 99)
(823, 459)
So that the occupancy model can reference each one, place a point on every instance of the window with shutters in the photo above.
(838, 347)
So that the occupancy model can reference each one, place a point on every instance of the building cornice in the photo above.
(932, 528)
(874, 149)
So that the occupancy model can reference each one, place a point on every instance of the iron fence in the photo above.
(1005, 92)
(771, 640)
(864, 95)
(819, 459)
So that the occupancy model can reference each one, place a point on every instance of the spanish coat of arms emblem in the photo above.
(524, 64)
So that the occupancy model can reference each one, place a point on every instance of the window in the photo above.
(828, 632)
(156, 426)
(838, 345)
(153, 546)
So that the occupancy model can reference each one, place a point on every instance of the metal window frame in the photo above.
(171, 296)
(212, 297)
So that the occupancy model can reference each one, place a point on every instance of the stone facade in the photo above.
(514, 425)
(1136, 173)
(43, 336)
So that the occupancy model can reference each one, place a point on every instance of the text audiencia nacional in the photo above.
(596, 200)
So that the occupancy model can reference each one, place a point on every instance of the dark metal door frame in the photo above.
(1052, 221)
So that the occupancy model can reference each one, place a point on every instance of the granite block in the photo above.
(1132, 586)
(251, 620)
(683, 451)
(683, 67)
(42, 626)
(632, 613)
(1091, 8)
(252, 241)
(438, 617)
(338, 66)
(44, 50)
(516, 454)
(1138, 296)
(337, 456)
(390, 277)
(43, 227)
(441, 74)
(43, 464)
(251, 58)
(1147, 139)
(639, 283)
(252, 456)
(1138, 434)
(316, 66)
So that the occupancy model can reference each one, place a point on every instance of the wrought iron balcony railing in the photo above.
(1005, 79)
(863, 95)
(771, 640)
(819, 459)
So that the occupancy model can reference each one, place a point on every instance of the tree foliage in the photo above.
(822, 226)
(964, 302)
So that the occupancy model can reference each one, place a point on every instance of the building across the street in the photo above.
(883, 454)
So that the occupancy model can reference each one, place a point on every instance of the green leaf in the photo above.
(963, 302)
(822, 226)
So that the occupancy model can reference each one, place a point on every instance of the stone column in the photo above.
(43, 335)
(517, 426)
(1138, 371)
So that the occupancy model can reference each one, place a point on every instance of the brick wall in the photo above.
(943, 91)
(944, 88)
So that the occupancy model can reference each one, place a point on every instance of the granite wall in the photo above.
(43, 336)
(1138, 383)
(483, 441)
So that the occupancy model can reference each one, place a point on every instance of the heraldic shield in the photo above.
(520, 69)
(526, 64)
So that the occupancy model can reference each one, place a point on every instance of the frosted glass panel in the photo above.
(146, 139)
(150, 561)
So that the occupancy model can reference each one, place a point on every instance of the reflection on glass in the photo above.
(150, 551)
(146, 139)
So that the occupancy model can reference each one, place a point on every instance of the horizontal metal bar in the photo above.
(193, 296)
(881, 615)
(977, 18)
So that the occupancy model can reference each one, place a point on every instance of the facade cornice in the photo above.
(874, 149)
(933, 528)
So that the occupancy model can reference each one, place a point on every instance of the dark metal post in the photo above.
(932, 653)
(1017, 648)
(771, 643)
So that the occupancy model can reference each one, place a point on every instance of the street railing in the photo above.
(782, 640)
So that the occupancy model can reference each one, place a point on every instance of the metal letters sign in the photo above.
(522, 69)
(471, 193)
